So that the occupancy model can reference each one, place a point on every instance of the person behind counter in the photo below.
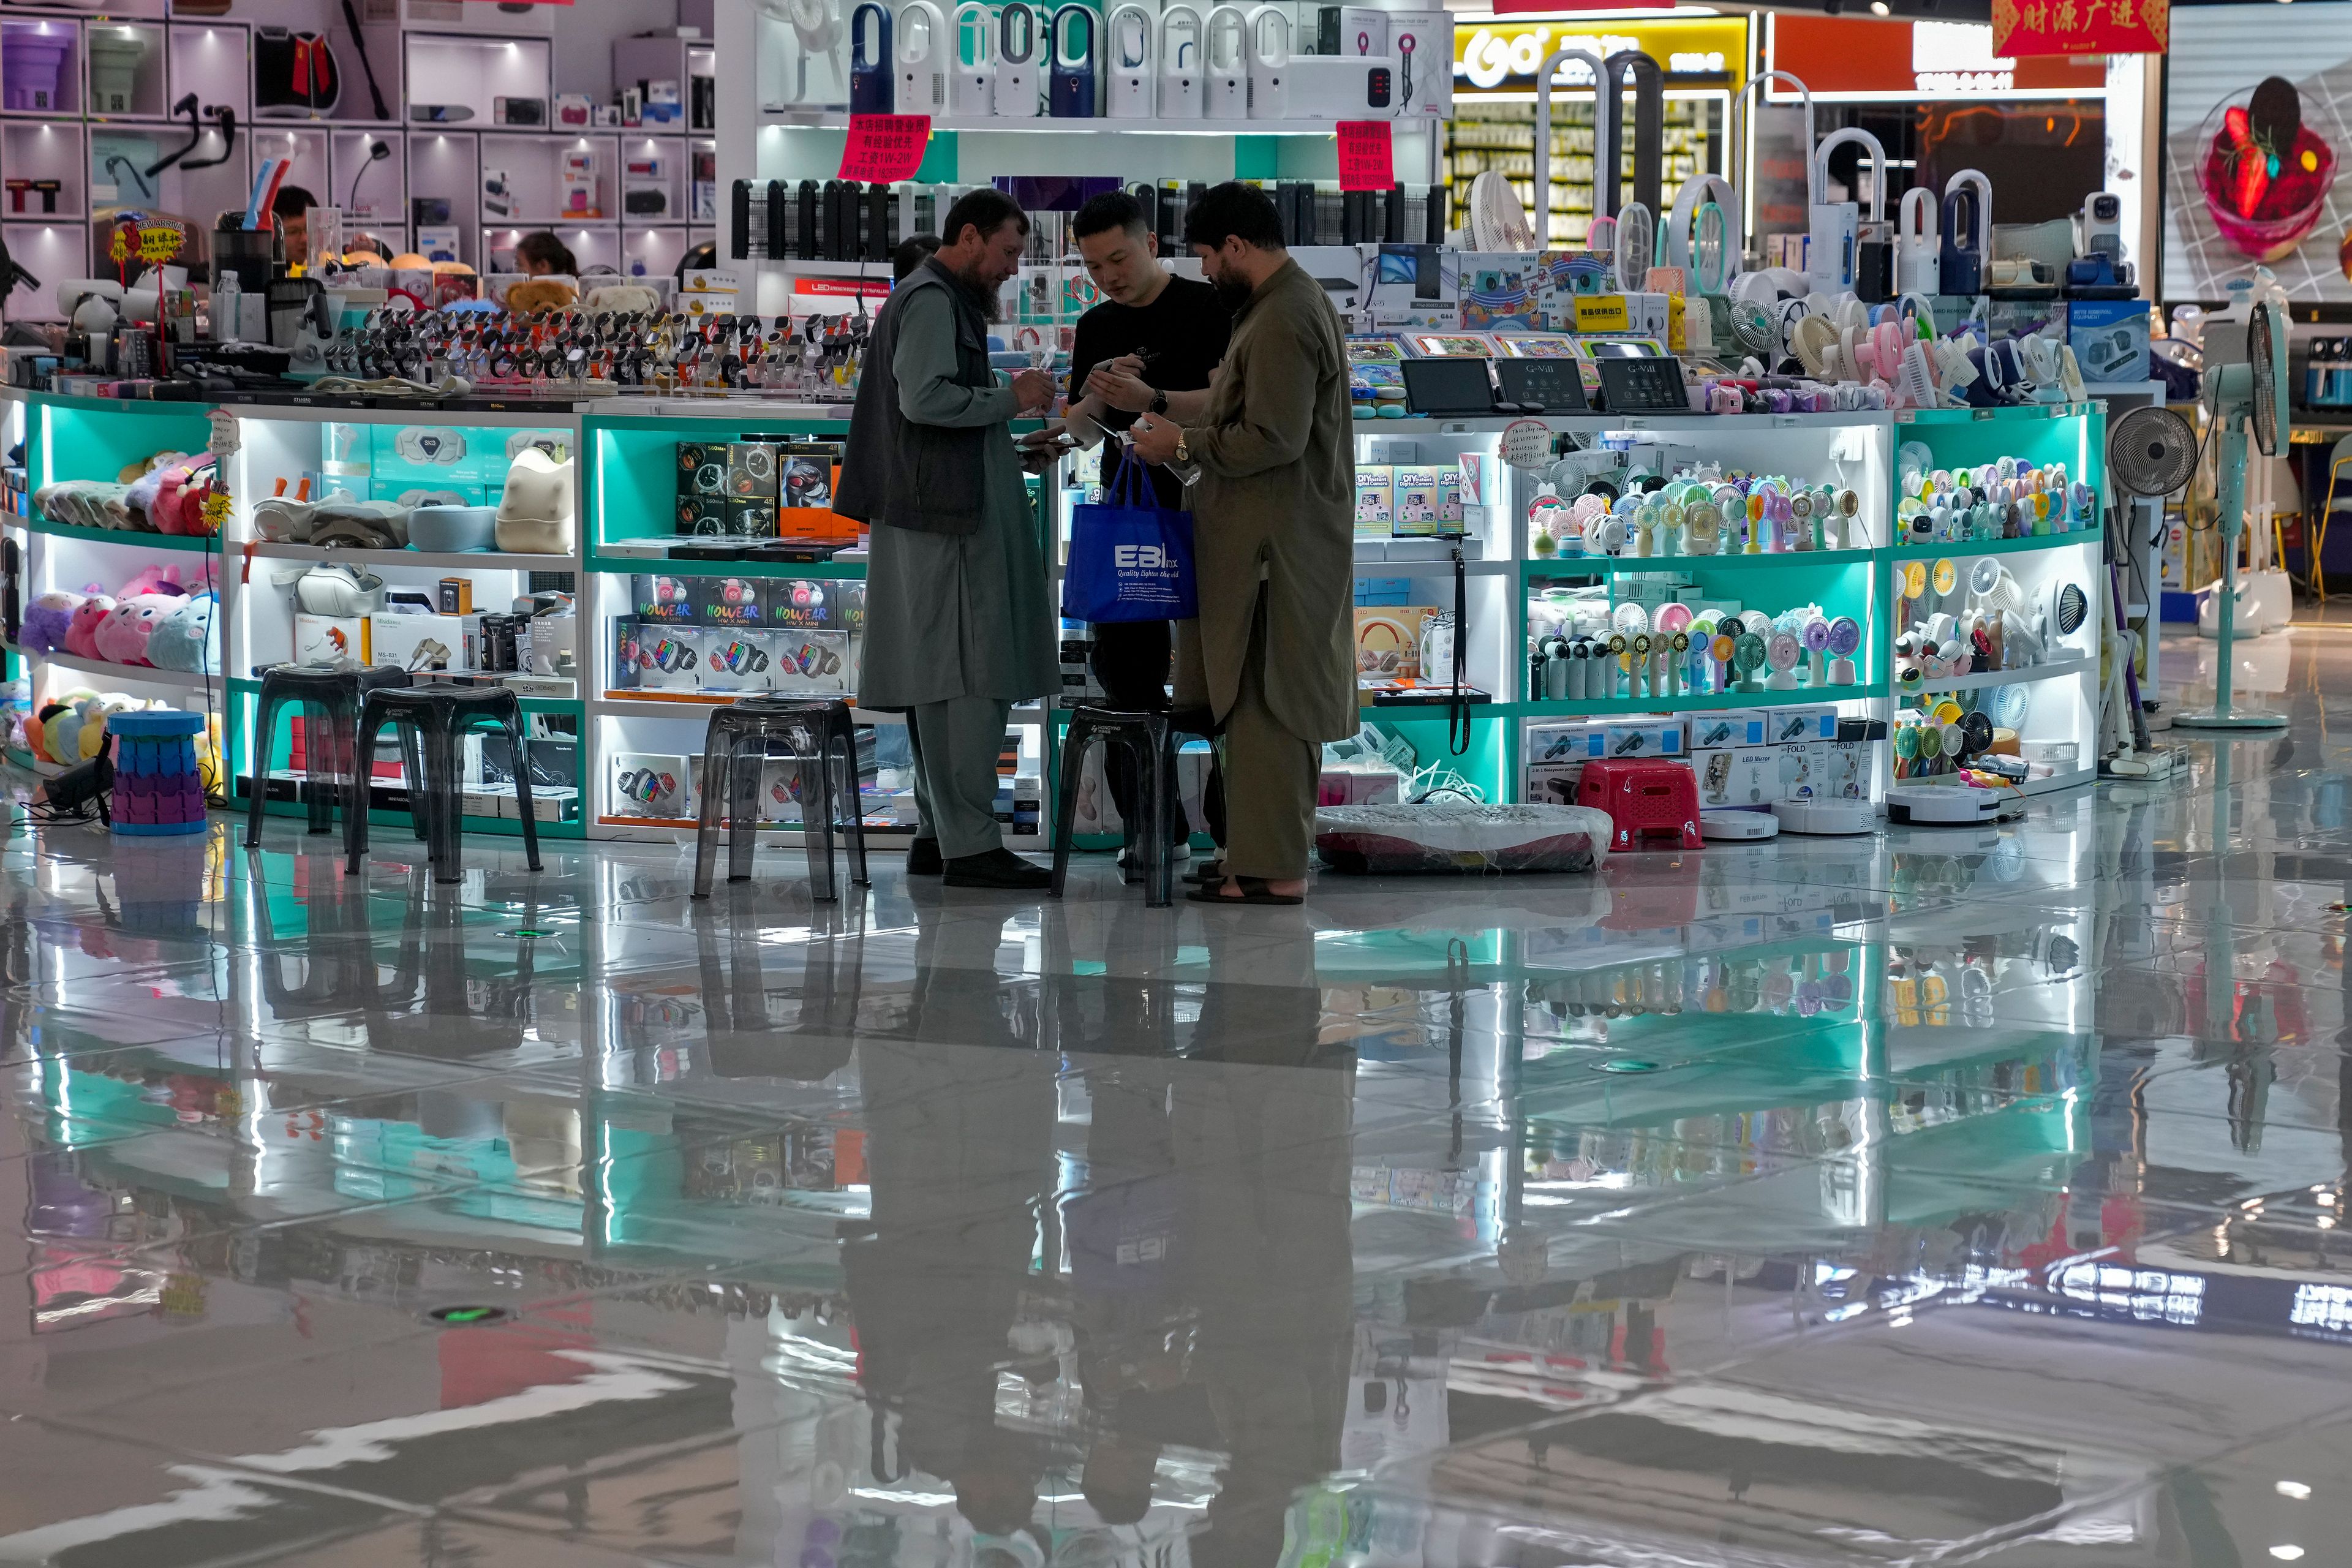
(542, 255)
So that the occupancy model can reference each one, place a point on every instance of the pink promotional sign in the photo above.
(885, 147)
(1366, 161)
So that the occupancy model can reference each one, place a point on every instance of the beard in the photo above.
(1233, 292)
(977, 294)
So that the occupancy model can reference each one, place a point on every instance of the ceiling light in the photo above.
(2295, 1489)
(1880, 8)
(2286, 1553)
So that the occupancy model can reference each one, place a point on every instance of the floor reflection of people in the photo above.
(1258, 1279)
(960, 1140)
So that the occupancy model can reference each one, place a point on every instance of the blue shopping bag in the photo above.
(1130, 559)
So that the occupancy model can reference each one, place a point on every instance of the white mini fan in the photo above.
(2066, 607)
(1637, 233)
(1497, 221)
(1991, 586)
(1783, 652)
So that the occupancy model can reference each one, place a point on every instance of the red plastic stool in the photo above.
(1642, 798)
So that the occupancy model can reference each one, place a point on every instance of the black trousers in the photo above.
(1132, 666)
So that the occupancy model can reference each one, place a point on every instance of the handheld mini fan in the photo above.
(1781, 653)
(1636, 237)
(1992, 588)
(1816, 638)
(1720, 647)
(1747, 658)
(1845, 637)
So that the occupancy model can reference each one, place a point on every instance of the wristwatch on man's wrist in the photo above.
(1158, 403)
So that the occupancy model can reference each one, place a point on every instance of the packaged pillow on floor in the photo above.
(1455, 836)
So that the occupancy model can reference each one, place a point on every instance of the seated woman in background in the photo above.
(541, 254)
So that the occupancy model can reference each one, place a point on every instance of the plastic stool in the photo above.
(741, 733)
(331, 701)
(431, 720)
(1150, 739)
(1643, 799)
(159, 788)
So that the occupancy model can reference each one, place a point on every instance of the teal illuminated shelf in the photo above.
(1605, 565)
(1957, 547)
(1801, 697)
(847, 569)
(134, 536)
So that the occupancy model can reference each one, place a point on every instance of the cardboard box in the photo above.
(2109, 338)
(1805, 722)
(325, 640)
(1725, 729)
(624, 675)
(554, 645)
(1802, 769)
(422, 642)
(1845, 774)
(1427, 39)
(1415, 502)
(669, 657)
(804, 603)
(1500, 292)
(656, 597)
(816, 663)
(739, 603)
(1553, 783)
(1449, 496)
(1643, 739)
(753, 517)
(1742, 778)
(1388, 642)
(1375, 499)
(1576, 741)
(736, 660)
(654, 784)
(456, 596)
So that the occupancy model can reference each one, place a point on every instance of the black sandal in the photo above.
(1253, 891)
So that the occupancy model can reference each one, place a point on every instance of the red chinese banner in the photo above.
(1367, 157)
(885, 147)
(2081, 27)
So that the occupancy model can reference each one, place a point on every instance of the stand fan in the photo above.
(1845, 637)
(2151, 453)
(2236, 392)
(1747, 658)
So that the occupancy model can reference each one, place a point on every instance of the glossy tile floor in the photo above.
(1914, 1199)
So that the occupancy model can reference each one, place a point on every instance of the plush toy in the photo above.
(81, 632)
(61, 728)
(619, 297)
(155, 580)
(539, 294)
(36, 731)
(46, 620)
(184, 638)
(122, 637)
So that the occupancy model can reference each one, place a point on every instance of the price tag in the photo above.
(885, 147)
(1526, 444)
(1367, 160)
(226, 432)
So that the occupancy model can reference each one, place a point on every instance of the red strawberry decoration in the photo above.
(2249, 164)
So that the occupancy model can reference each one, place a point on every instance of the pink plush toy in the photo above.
(121, 636)
(81, 632)
(154, 580)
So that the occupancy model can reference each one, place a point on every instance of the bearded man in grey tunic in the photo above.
(959, 623)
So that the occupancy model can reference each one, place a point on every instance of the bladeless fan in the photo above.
(1546, 74)
(2238, 391)
(2151, 453)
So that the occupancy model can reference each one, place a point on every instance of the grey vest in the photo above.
(897, 473)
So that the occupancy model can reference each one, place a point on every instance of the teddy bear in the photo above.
(539, 294)
(46, 620)
(184, 638)
(81, 632)
(122, 637)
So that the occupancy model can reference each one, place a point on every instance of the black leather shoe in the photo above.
(923, 859)
(1000, 868)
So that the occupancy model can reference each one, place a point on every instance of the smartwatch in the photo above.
(1158, 403)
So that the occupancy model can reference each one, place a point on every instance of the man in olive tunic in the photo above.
(1274, 542)
(958, 623)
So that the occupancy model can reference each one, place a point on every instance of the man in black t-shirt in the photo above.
(1154, 333)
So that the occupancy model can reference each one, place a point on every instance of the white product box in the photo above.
(1643, 738)
(1553, 783)
(778, 798)
(424, 642)
(554, 645)
(1423, 42)
(816, 663)
(324, 640)
(738, 660)
(1802, 769)
(1574, 740)
(1786, 726)
(654, 784)
(1846, 771)
(669, 658)
(1725, 729)
(1748, 777)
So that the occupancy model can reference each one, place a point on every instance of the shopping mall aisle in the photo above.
(1902, 1199)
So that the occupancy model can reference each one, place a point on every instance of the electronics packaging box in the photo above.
(2109, 338)
(1553, 783)
(654, 784)
(1574, 740)
(814, 663)
(1726, 728)
(803, 604)
(736, 660)
(1802, 768)
(1643, 738)
(1502, 291)
(554, 645)
(623, 676)
(1746, 777)
(424, 642)
(1845, 771)
(1423, 42)
(1375, 499)
(658, 596)
(669, 657)
(324, 639)
(1383, 592)
(1449, 495)
(1388, 642)
(1807, 722)
(739, 603)
(1415, 502)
